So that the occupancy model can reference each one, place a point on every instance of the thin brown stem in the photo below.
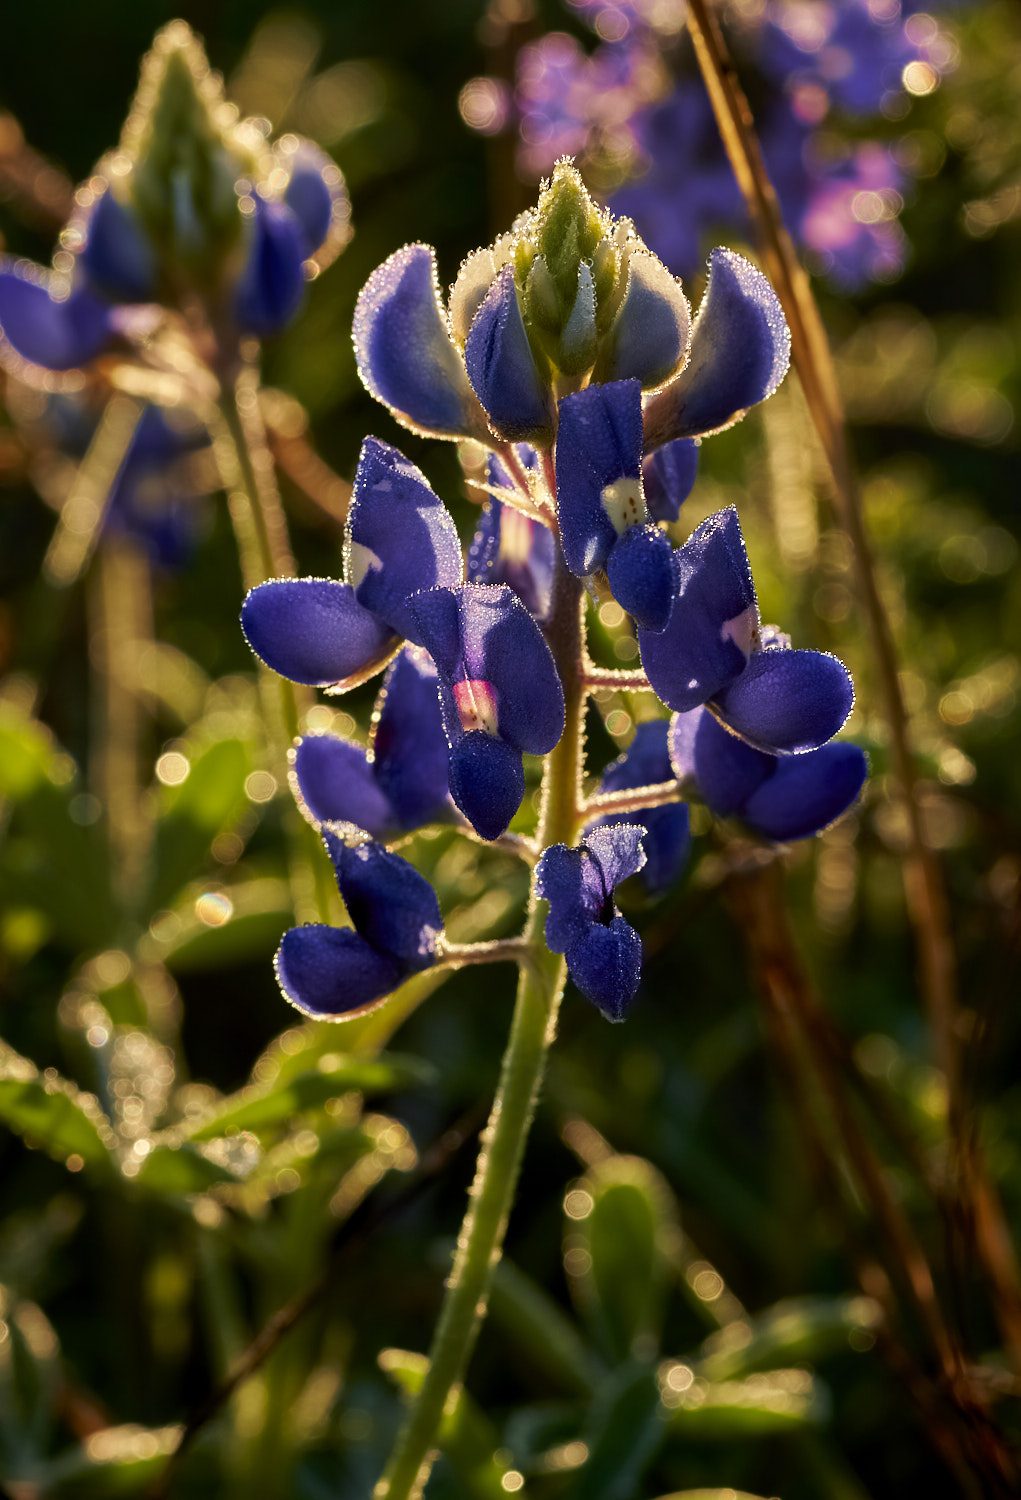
(599, 678)
(633, 799)
(925, 893)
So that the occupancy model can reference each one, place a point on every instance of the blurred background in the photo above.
(698, 1292)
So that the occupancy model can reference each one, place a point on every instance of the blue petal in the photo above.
(404, 352)
(392, 906)
(560, 880)
(502, 644)
(788, 701)
(408, 743)
(806, 793)
(331, 971)
(314, 190)
(650, 336)
(617, 850)
(726, 770)
(314, 631)
(117, 254)
(272, 285)
(606, 964)
(336, 783)
(437, 617)
(56, 335)
(502, 369)
(640, 571)
(511, 548)
(599, 444)
(487, 781)
(712, 625)
(645, 762)
(400, 537)
(667, 829)
(740, 351)
(669, 476)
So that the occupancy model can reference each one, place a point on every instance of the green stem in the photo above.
(540, 986)
(264, 551)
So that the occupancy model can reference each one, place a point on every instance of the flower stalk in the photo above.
(540, 987)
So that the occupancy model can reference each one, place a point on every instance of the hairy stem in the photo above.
(264, 551)
(540, 986)
(925, 892)
(634, 799)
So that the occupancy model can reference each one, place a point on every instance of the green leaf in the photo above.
(621, 1218)
(802, 1330)
(48, 834)
(178, 1170)
(780, 1401)
(261, 1107)
(530, 1319)
(29, 1377)
(466, 1436)
(625, 1429)
(113, 1462)
(48, 1112)
(249, 923)
(209, 801)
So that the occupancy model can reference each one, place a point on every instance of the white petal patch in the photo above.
(742, 630)
(516, 535)
(361, 560)
(624, 503)
(476, 705)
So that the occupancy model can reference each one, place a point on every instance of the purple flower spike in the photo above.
(272, 284)
(740, 351)
(344, 972)
(781, 797)
(603, 952)
(399, 539)
(646, 762)
(714, 651)
(601, 500)
(315, 193)
(669, 478)
(117, 256)
(400, 782)
(499, 693)
(51, 332)
(501, 367)
(511, 548)
(404, 352)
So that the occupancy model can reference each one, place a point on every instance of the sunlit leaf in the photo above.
(49, 1113)
(625, 1428)
(208, 801)
(804, 1329)
(185, 1168)
(532, 1322)
(113, 1462)
(29, 1376)
(780, 1401)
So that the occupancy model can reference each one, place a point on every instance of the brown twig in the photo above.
(956, 1418)
(925, 893)
(352, 1236)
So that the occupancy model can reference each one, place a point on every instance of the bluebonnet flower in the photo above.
(499, 693)
(603, 951)
(780, 797)
(400, 782)
(851, 55)
(667, 830)
(513, 548)
(195, 214)
(399, 538)
(715, 651)
(341, 972)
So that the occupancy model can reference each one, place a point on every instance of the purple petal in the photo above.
(400, 536)
(331, 971)
(315, 194)
(725, 769)
(669, 476)
(272, 284)
(487, 781)
(392, 906)
(502, 369)
(56, 335)
(502, 644)
(641, 574)
(117, 254)
(650, 337)
(788, 701)
(712, 626)
(404, 352)
(740, 351)
(806, 793)
(334, 781)
(314, 631)
(617, 850)
(560, 880)
(599, 466)
(606, 964)
(408, 742)
(511, 548)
